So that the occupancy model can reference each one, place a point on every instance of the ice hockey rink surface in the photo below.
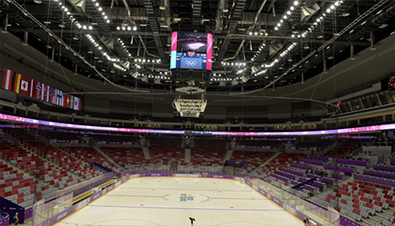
(171, 201)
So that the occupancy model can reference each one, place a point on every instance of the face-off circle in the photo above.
(186, 198)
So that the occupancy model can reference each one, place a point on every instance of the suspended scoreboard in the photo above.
(190, 107)
(191, 55)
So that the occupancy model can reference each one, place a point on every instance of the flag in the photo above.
(77, 103)
(54, 96)
(43, 91)
(66, 101)
(37, 90)
(7, 80)
(24, 88)
(72, 101)
(17, 82)
(59, 98)
(48, 94)
(31, 89)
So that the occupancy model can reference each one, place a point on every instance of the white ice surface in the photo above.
(157, 201)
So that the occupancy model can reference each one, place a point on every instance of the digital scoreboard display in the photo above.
(191, 51)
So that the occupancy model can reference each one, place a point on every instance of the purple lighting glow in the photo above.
(12, 118)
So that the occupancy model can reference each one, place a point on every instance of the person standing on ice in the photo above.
(15, 219)
(192, 220)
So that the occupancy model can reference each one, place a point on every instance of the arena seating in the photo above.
(254, 158)
(258, 143)
(15, 186)
(130, 158)
(312, 146)
(281, 161)
(89, 155)
(116, 139)
(369, 196)
(18, 186)
(371, 193)
(19, 157)
(351, 144)
(359, 199)
(209, 143)
(201, 156)
(61, 137)
(165, 141)
(345, 147)
(70, 163)
(48, 171)
(162, 155)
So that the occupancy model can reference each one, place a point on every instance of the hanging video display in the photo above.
(191, 50)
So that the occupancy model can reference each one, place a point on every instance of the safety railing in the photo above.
(296, 205)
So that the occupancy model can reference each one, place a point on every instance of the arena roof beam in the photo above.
(68, 50)
(326, 44)
(196, 12)
(236, 16)
(96, 17)
(218, 18)
(153, 22)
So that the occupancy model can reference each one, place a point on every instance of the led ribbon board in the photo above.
(12, 118)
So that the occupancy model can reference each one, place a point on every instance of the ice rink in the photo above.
(171, 201)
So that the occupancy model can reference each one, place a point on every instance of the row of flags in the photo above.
(21, 84)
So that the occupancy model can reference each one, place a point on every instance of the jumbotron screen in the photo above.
(191, 50)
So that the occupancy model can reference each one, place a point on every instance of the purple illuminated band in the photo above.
(84, 127)
(13, 118)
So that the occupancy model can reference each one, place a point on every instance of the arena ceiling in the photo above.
(257, 43)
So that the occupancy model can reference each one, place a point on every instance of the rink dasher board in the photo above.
(67, 212)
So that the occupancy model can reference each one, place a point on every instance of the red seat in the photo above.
(390, 202)
(357, 211)
(369, 205)
(356, 205)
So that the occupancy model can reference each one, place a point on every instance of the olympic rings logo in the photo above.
(191, 63)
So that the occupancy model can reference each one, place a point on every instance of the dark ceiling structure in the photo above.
(258, 44)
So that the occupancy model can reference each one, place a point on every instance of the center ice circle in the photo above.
(186, 198)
